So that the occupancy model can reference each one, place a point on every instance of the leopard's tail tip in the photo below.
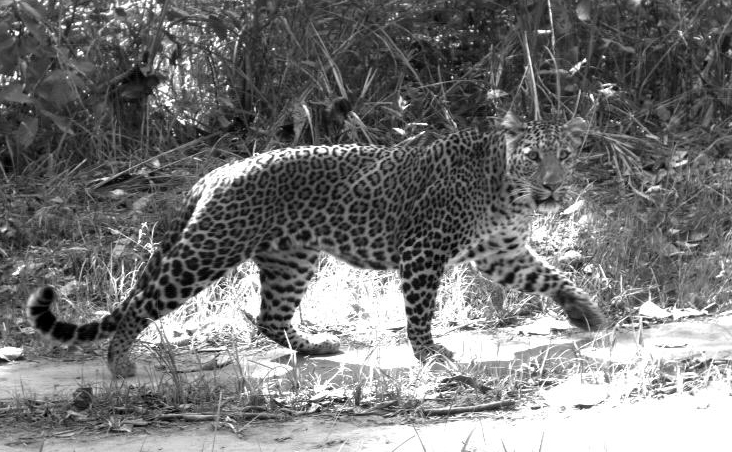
(38, 309)
(40, 303)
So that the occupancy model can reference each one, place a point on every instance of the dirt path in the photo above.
(675, 424)
(612, 423)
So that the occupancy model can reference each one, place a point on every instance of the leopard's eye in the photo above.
(532, 155)
(564, 154)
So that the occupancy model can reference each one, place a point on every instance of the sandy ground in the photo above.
(679, 422)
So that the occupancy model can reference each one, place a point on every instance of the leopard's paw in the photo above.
(318, 344)
(122, 368)
(581, 311)
(433, 352)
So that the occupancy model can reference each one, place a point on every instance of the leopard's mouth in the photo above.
(549, 205)
(547, 202)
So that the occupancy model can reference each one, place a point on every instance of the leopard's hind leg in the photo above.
(172, 280)
(181, 267)
(284, 277)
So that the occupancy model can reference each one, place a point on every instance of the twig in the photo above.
(198, 417)
(191, 417)
(376, 409)
(468, 409)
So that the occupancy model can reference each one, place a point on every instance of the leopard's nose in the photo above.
(551, 177)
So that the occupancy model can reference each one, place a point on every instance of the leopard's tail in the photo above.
(49, 326)
(45, 322)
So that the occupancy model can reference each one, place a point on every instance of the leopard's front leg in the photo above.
(525, 271)
(421, 271)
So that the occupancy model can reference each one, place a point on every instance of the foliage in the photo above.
(77, 77)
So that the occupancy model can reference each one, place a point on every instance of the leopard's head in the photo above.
(538, 156)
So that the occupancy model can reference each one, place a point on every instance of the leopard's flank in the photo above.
(466, 197)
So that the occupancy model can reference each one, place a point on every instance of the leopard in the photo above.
(468, 196)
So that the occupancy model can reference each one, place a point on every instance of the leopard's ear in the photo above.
(514, 127)
(576, 129)
(512, 123)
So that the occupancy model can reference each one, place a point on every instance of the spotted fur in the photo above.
(466, 197)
